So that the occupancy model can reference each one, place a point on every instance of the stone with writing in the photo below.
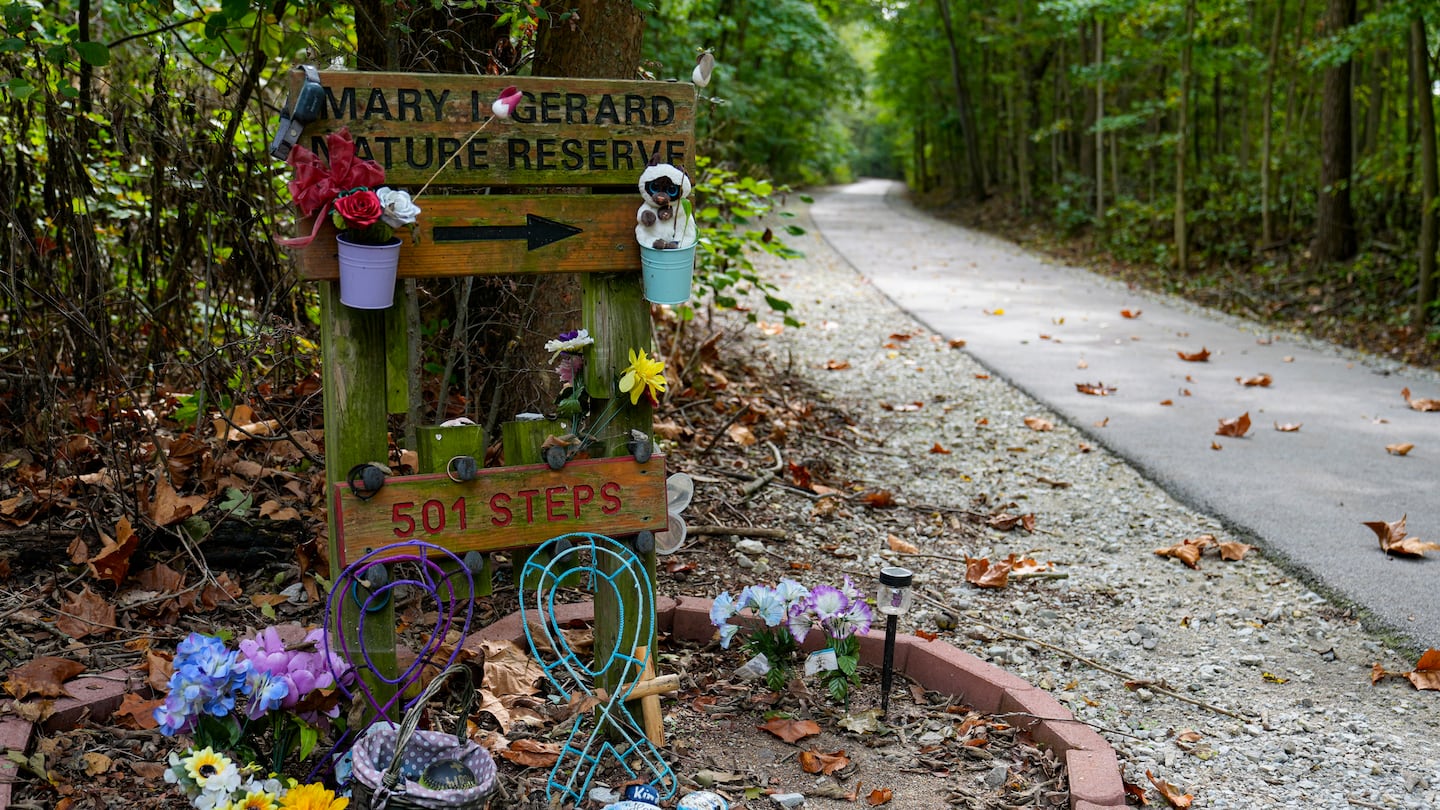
(665, 221)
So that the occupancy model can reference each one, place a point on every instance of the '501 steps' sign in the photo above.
(504, 507)
(576, 132)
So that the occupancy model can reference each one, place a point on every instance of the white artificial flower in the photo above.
(578, 341)
(399, 209)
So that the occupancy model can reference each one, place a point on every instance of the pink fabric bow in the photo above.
(316, 184)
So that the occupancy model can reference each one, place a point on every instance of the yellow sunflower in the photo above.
(312, 797)
(644, 376)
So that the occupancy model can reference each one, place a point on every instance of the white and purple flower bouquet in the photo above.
(787, 614)
(234, 703)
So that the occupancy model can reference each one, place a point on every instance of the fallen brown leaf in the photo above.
(169, 507)
(1098, 389)
(1039, 425)
(1261, 380)
(879, 796)
(42, 677)
(85, 613)
(1171, 793)
(937, 448)
(982, 574)
(1289, 427)
(1236, 427)
(1194, 357)
(1137, 793)
(879, 499)
(791, 730)
(1130, 314)
(1399, 449)
(837, 365)
(137, 712)
(1394, 540)
(532, 753)
(1426, 674)
(113, 561)
(902, 546)
(1234, 552)
(813, 761)
(1420, 404)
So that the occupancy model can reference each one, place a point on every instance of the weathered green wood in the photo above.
(521, 444)
(616, 313)
(352, 344)
(397, 356)
(522, 440)
(436, 445)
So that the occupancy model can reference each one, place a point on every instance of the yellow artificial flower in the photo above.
(212, 771)
(644, 376)
(312, 797)
(255, 800)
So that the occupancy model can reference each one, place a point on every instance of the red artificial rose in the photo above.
(359, 210)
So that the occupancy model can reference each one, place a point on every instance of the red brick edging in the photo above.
(1095, 782)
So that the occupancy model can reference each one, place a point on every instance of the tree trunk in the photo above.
(1182, 237)
(1099, 116)
(605, 44)
(1335, 217)
(1267, 131)
(1420, 64)
(964, 108)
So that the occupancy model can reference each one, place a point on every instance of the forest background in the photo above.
(1275, 158)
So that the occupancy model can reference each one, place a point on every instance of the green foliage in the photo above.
(731, 212)
(783, 83)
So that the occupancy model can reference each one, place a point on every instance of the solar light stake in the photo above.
(892, 601)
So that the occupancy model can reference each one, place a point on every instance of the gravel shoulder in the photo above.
(1295, 720)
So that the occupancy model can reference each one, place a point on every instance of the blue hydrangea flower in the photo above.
(267, 693)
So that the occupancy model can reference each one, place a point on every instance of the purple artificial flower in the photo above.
(302, 668)
(568, 368)
(854, 619)
(851, 592)
(799, 623)
(826, 601)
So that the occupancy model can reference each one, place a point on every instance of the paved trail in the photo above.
(1303, 495)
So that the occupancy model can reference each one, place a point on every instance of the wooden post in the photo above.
(521, 444)
(352, 345)
(436, 445)
(618, 317)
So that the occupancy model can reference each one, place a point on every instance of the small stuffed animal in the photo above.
(664, 221)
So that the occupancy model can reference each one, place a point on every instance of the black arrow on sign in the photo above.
(537, 232)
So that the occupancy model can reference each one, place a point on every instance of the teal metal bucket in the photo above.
(667, 274)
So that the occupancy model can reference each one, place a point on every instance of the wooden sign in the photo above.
(437, 132)
(504, 507)
(491, 235)
(564, 132)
